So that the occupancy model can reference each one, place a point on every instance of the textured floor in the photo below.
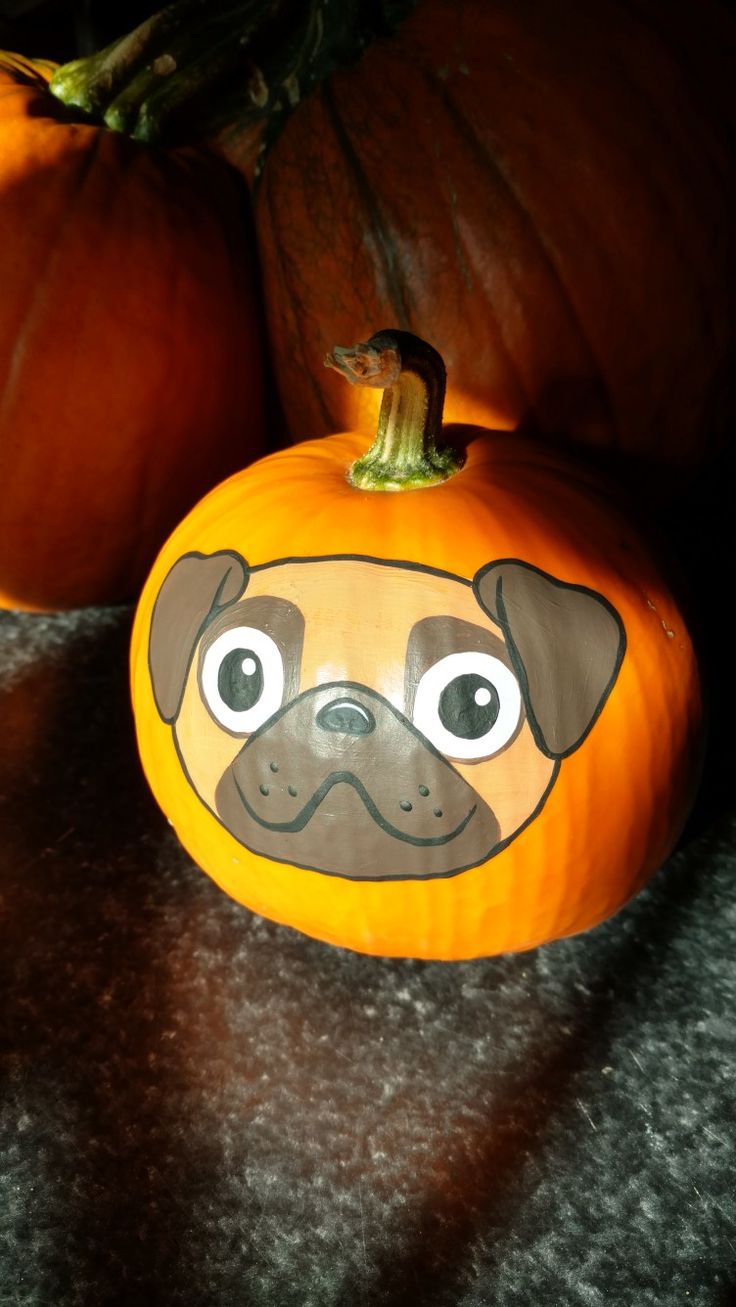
(200, 1107)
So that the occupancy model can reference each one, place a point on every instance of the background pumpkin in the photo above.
(620, 798)
(129, 346)
(545, 190)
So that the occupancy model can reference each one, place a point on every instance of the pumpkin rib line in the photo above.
(19, 75)
(176, 168)
(465, 258)
(675, 144)
(376, 225)
(290, 296)
(486, 157)
(681, 239)
(27, 325)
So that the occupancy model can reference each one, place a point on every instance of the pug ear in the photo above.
(566, 644)
(193, 592)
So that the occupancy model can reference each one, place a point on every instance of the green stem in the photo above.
(93, 82)
(203, 67)
(406, 453)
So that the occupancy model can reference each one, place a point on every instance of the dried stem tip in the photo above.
(367, 364)
(406, 453)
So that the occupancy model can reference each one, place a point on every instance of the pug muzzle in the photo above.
(341, 757)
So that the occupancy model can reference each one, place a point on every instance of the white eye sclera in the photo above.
(468, 705)
(242, 679)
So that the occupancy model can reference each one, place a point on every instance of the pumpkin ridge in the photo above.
(681, 239)
(492, 164)
(289, 299)
(384, 245)
(22, 71)
(52, 255)
(492, 319)
(674, 144)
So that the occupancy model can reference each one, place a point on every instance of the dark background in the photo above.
(60, 30)
(201, 1107)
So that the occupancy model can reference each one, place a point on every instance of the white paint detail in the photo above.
(353, 706)
(255, 644)
(440, 675)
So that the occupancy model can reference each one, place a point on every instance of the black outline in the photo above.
(348, 777)
(204, 648)
(518, 666)
(209, 617)
(400, 876)
(355, 558)
(513, 654)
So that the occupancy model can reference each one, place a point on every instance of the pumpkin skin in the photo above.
(349, 573)
(128, 327)
(546, 191)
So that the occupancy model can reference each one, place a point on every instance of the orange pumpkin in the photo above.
(127, 330)
(434, 702)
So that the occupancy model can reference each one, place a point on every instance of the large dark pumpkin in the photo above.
(546, 190)
(130, 377)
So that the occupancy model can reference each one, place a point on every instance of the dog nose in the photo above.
(347, 717)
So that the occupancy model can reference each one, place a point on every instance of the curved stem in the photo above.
(406, 453)
(200, 67)
(92, 82)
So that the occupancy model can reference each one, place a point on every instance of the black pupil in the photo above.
(469, 706)
(240, 679)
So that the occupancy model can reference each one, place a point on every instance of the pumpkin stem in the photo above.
(405, 454)
(228, 71)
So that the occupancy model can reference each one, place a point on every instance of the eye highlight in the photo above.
(242, 679)
(468, 705)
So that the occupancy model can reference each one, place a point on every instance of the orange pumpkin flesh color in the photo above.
(127, 329)
(450, 715)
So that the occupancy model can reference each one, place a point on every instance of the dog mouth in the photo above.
(341, 782)
(305, 814)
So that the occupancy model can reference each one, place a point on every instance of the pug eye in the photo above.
(468, 705)
(242, 679)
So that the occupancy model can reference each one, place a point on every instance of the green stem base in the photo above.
(199, 68)
(406, 453)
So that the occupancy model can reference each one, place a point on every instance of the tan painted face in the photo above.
(369, 719)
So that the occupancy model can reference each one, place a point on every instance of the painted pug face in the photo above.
(376, 720)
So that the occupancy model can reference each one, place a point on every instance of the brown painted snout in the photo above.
(341, 758)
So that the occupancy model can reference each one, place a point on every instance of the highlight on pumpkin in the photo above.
(407, 453)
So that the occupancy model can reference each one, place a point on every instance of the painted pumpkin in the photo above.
(127, 329)
(437, 701)
(546, 191)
